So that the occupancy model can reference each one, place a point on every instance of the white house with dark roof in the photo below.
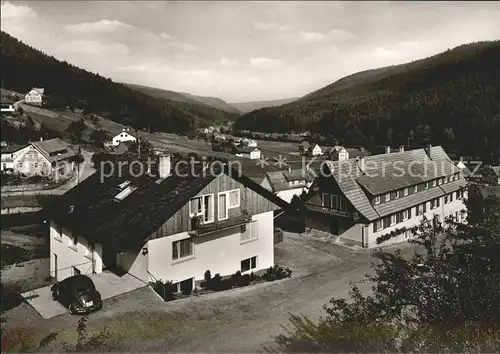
(384, 196)
(287, 184)
(34, 97)
(338, 153)
(52, 158)
(164, 226)
(122, 137)
(315, 150)
(248, 152)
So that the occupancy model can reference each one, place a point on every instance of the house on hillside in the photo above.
(287, 184)
(52, 158)
(164, 226)
(465, 170)
(315, 150)
(490, 175)
(34, 97)
(248, 143)
(7, 106)
(123, 137)
(10, 155)
(381, 197)
(338, 153)
(304, 147)
(248, 152)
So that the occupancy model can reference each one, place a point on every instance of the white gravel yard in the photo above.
(237, 321)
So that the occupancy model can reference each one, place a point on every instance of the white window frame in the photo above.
(394, 220)
(229, 198)
(192, 214)
(325, 196)
(377, 199)
(405, 215)
(250, 268)
(434, 183)
(440, 181)
(226, 194)
(406, 191)
(334, 201)
(396, 196)
(387, 197)
(426, 185)
(415, 189)
(379, 225)
(177, 244)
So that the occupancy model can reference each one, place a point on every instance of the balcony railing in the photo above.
(199, 228)
(335, 212)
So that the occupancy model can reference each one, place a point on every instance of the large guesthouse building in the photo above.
(379, 198)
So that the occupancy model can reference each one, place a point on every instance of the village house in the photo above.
(248, 142)
(304, 147)
(34, 97)
(465, 170)
(164, 226)
(287, 184)
(123, 137)
(362, 200)
(315, 150)
(52, 158)
(7, 106)
(248, 152)
(10, 155)
(338, 153)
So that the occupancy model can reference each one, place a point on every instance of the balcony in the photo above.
(198, 228)
(334, 212)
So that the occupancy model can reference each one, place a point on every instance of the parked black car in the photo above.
(78, 294)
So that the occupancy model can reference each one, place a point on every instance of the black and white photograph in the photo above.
(250, 176)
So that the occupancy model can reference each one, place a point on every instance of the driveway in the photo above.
(235, 321)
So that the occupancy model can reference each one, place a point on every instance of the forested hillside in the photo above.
(216, 105)
(253, 105)
(452, 99)
(24, 67)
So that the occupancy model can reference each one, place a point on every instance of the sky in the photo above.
(244, 51)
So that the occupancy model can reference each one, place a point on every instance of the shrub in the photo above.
(277, 272)
(215, 283)
(165, 290)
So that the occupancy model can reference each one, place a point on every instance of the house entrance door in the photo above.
(108, 259)
(334, 226)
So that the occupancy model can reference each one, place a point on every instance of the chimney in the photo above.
(428, 150)
(387, 149)
(401, 148)
(164, 167)
(361, 163)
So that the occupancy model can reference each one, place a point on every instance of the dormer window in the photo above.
(125, 189)
(388, 197)
(396, 195)
(405, 191)
(426, 185)
(434, 183)
(415, 189)
(377, 199)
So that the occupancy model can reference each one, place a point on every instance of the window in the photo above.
(125, 193)
(234, 199)
(335, 201)
(58, 234)
(35, 165)
(182, 249)
(342, 203)
(457, 176)
(73, 240)
(415, 189)
(405, 215)
(388, 197)
(222, 204)
(377, 199)
(434, 183)
(393, 219)
(406, 191)
(396, 195)
(426, 185)
(440, 181)
(377, 225)
(248, 264)
(326, 200)
(250, 233)
(202, 206)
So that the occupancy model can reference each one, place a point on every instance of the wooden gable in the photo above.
(250, 201)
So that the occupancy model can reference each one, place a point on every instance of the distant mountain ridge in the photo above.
(213, 102)
(451, 98)
(246, 107)
(24, 67)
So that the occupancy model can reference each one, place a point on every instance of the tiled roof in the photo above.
(128, 223)
(39, 90)
(388, 172)
(496, 170)
(279, 179)
(12, 148)
(50, 147)
(453, 186)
